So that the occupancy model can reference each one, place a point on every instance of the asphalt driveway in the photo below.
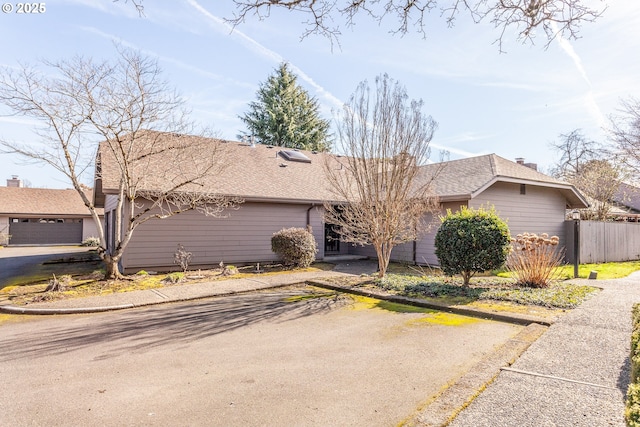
(25, 263)
(273, 358)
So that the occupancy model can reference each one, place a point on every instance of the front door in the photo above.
(331, 239)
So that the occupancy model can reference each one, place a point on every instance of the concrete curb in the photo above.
(508, 318)
(514, 319)
(13, 309)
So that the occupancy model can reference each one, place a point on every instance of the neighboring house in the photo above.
(286, 188)
(627, 198)
(38, 216)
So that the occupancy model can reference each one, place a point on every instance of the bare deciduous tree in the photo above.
(132, 119)
(594, 170)
(385, 138)
(552, 17)
(575, 151)
(601, 181)
(625, 133)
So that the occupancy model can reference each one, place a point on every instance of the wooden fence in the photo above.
(603, 241)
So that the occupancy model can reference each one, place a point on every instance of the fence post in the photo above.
(576, 241)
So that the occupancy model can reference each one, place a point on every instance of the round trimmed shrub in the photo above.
(472, 241)
(295, 247)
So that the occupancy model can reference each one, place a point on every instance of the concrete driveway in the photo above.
(24, 263)
(272, 358)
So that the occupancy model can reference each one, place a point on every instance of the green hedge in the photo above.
(295, 247)
(632, 412)
(471, 241)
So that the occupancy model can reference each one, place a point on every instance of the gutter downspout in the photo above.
(313, 205)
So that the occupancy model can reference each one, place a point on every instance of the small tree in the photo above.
(575, 150)
(285, 115)
(595, 171)
(471, 241)
(129, 115)
(385, 138)
(295, 247)
(182, 257)
(601, 181)
(625, 133)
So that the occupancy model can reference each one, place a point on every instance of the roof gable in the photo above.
(464, 179)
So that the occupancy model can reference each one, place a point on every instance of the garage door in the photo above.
(43, 231)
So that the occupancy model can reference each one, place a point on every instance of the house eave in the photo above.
(259, 199)
(575, 200)
(454, 198)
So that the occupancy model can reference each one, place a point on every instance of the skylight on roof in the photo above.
(294, 156)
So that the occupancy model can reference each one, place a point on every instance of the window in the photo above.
(294, 156)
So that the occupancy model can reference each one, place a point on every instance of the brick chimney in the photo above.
(14, 181)
(520, 161)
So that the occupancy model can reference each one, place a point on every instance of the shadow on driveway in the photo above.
(142, 329)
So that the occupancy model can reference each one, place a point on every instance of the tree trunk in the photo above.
(111, 270)
(466, 276)
(384, 254)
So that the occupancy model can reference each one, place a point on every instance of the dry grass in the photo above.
(534, 260)
(86, 285)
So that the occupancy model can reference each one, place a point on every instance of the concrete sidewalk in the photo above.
(576, 374)
(184, 292)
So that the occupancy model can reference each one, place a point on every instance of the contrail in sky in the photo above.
(589, 98)
(266, 52)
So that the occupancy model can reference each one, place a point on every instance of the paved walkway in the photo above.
(576, 374)
(123, 300)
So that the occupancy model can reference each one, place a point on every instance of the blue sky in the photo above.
(513, 104)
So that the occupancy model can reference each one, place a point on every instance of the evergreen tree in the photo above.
(285, 115)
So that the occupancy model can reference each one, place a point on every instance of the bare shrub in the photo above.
(534, 259)
(58, 284)
(182, 257)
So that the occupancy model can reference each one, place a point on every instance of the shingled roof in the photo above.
(261, 172)
(464, 179)
(253, 172)
(41, 201)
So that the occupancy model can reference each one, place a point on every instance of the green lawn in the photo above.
(609, 270)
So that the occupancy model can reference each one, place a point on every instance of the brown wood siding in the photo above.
(425, 247)
(243, 237)
(110, 202)
(539, 210)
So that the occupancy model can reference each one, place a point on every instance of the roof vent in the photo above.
(294, 156)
